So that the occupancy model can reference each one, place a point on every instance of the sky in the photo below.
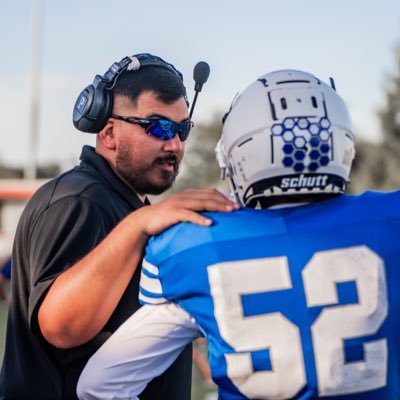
(353, 41)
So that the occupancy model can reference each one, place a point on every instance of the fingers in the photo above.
(206, 200)
(194, 218)
(183, 207)
(154, 219)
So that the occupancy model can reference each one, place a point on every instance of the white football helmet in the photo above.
(286, 134)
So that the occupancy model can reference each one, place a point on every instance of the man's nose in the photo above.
(174, 145)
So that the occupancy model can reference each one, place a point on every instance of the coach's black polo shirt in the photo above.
(63, 222)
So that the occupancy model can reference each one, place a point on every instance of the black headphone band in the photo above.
(134, 63)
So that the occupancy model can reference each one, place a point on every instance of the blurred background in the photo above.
(51, 50)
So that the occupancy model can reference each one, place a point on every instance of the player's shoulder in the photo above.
(176, 239)
(381, 202)
(365, 207)
(185, 235)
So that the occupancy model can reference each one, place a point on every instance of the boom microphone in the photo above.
(201, 72)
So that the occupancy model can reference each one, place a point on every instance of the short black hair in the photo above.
(165, 83)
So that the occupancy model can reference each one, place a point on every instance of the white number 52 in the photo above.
(281, 337)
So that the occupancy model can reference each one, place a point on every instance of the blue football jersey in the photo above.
(295, 303)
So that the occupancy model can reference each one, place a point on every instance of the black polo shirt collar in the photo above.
(98, 165)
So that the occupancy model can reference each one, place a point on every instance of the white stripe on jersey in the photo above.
(149, 267)
(151, 300)
(152, 285)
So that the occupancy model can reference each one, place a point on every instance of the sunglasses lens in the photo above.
(165, 130)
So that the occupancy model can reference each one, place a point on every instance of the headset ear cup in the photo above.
(105, 111)
(92, 108)
(82, 108)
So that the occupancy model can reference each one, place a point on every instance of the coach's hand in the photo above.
(183, 207)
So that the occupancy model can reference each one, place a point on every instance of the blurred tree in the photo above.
(377, 166)
(369, 168)
(48, 170)
(10, 173)
(44, 171)
(390, 114)
(199, 168)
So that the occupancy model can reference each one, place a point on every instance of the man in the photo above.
(298, 300)
(81, 237)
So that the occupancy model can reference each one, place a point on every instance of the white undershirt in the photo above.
(142, 348)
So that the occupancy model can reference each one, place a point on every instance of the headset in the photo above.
(94, 104)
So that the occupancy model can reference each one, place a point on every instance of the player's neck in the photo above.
(296, 200)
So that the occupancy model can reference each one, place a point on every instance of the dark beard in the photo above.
(140, 180)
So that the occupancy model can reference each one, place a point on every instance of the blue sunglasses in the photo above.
(163, 129)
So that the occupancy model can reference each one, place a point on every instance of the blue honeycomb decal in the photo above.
(306, 144)
(288, 149)
(300, 155)
(288, 161)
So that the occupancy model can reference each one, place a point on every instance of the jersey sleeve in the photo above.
(143, 347)
(166, 259)
(150, 287)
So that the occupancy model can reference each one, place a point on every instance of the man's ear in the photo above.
(107, 135)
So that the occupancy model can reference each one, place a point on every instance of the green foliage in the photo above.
(10, 173)
(49, 170)
(199, 168)
(377, 166)
(390, 115)
(43, 171)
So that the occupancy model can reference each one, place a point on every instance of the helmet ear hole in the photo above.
(290, 137)
(314, 102)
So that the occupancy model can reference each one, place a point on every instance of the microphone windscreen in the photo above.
(201, 73)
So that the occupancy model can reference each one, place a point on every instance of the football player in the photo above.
(296, 292)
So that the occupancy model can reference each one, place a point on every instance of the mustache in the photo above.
(170, 158)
